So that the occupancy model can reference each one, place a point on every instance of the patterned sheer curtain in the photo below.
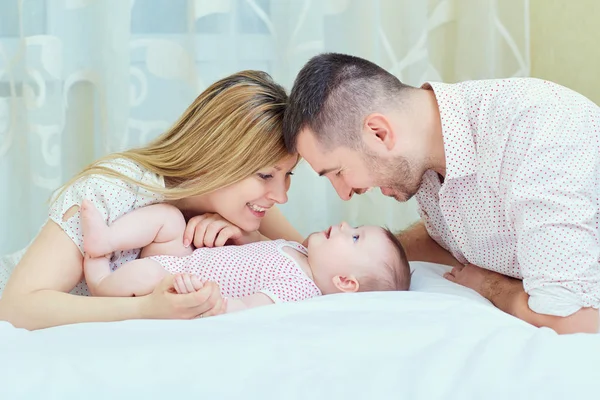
(81, 78)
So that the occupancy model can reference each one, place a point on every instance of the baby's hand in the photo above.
(185, 283)
(183, 297)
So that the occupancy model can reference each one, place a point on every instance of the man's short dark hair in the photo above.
(331, 95)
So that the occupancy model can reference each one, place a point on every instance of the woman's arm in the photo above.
(275, 226)
(35, 296)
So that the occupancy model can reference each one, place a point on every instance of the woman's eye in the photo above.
(355, 237)
(265, 176)
(290, 173)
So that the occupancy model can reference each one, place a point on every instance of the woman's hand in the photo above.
(212, 230)
(166, 303)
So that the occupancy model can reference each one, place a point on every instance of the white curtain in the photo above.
(81, 78)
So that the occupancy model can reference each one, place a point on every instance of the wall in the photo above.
(565, 38)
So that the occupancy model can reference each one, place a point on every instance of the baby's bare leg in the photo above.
(160, 227)
(135, 278)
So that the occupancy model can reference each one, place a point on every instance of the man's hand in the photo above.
(483, 281)
(508, 295)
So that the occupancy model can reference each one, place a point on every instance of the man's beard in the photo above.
(397, 175)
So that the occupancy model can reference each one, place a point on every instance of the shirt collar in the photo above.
(457, 129)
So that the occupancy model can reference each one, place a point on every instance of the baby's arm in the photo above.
(279, 288)
(185, 283)
(247, 302)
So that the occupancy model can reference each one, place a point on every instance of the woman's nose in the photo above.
(278, 193)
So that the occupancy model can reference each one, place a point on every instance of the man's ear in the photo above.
(346, 284)
(379, 132)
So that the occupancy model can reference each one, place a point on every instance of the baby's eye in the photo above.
(355, 238)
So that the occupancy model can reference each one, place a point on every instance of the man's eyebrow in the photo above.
(326, 171)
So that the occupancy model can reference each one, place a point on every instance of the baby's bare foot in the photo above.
(186, 283)
(96, 234)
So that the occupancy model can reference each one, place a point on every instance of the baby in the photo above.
(340, 259)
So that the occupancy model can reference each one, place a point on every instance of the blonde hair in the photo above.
(231, 130)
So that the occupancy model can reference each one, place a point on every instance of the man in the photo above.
(505, 173)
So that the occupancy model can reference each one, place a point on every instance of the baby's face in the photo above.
(342, 251)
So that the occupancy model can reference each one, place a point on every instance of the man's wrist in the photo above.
(505, 293)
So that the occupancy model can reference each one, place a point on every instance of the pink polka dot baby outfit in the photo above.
(261, 267)
(521, 190)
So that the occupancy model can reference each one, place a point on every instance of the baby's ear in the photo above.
(346, 284)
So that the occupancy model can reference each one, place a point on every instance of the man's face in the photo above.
(357, 170)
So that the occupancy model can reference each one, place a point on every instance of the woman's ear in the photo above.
(346, 284)
(379, 132)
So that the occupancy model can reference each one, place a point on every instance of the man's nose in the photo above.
(344, 191)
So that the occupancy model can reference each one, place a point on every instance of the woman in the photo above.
(223, 164)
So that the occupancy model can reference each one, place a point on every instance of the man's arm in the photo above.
(509, 296)
(583, 321)
(419, 246)
(552, 204)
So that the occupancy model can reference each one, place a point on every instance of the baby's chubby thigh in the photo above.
(169, 239)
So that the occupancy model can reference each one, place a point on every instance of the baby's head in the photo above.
(367, 258)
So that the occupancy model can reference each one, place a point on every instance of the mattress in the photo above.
(437, 341)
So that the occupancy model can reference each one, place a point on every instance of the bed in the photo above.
(438, 341)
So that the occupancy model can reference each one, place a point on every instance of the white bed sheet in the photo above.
(439, 341)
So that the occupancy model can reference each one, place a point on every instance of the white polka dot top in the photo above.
(520, 195)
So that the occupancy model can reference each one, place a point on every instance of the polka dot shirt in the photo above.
(113, 198)
(261, 267)
(520, 195)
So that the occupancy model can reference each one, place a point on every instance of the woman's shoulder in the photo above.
(118, 182)
(132, 170)
(124, 166)
(114, 189)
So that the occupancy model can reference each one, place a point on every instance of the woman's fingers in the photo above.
(207, 303)
(200, 231)
(184, 296)
(190, 229)
(213, 231)
(230, 232)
